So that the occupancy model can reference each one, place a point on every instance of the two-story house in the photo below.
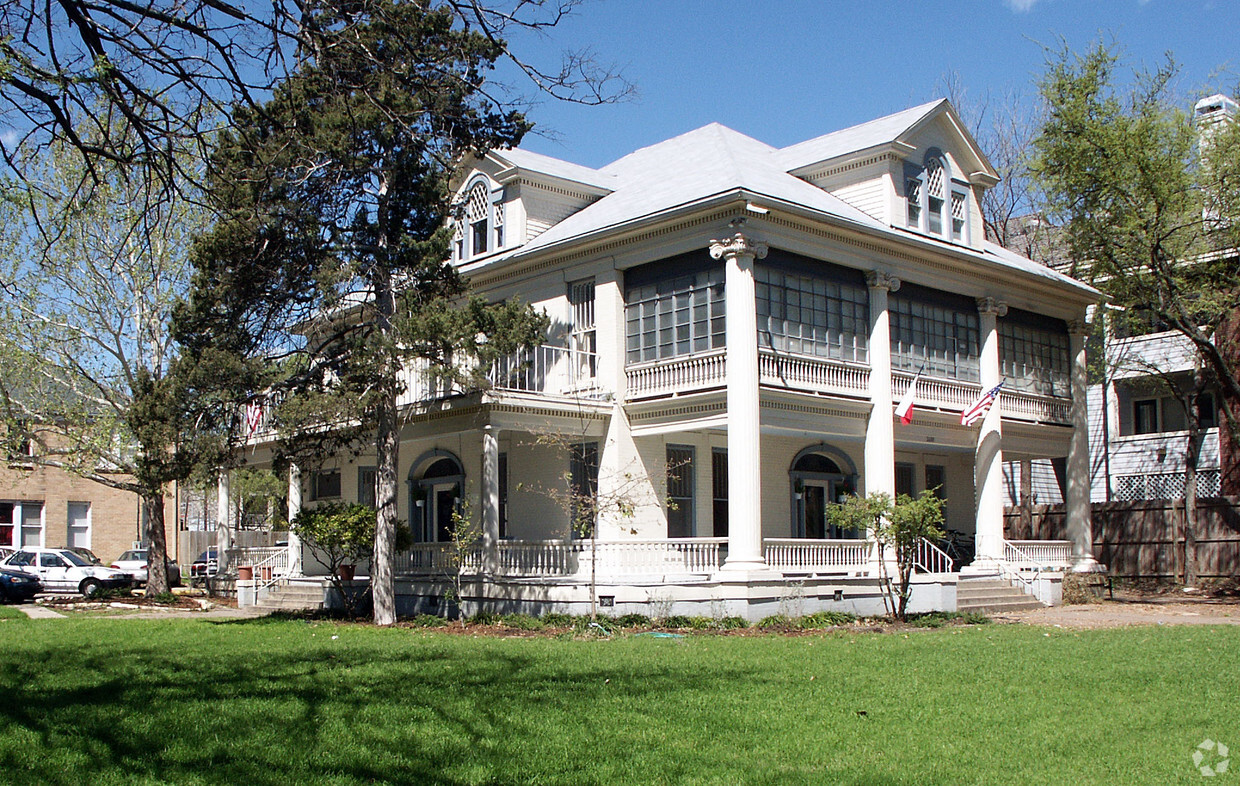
(733, 325)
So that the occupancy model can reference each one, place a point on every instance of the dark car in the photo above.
(207, 564)
(16, 586)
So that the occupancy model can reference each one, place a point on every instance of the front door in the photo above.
(815, 496)
(445, 504)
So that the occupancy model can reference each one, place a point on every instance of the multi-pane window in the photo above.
(959, 205)
(582, 336)
(811, 315)
(936, 480)
(503, 495)
(1034, 359)
(1145, 416)
(939, 337)
(477, 210)
(675, 316)
(368, 486)
(934, 196)
(719, 490)
(904, 479)
(912, 192)
(78, 530)
(680, 491)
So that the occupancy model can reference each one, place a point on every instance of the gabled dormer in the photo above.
(918, 170)
(511, 196)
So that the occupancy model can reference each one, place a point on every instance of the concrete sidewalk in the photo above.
(36, 612)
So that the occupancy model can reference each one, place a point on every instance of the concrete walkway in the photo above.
(36, 612)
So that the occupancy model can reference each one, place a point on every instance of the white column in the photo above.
(1079, 510)
(744, 432)
(294, 507)
(223, 519)
(988, 459)
(880, 461)
(490, 499)
(609, 331)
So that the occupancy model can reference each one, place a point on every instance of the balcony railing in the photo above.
(677, 375)
(814, 374)
(545, 370)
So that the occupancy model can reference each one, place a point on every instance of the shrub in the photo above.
(733, 623)
(632, 621)
(677, 621)
(825, 619)
(775, 622)
(557, 620)
(428, 621)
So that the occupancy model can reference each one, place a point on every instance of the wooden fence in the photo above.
(194, 542)
(1145, 539)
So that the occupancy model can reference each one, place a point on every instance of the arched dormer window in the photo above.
(935, 203)
(482, 221)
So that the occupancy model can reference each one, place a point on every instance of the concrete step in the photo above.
(293, 597)
(999, 606)
(992, 596)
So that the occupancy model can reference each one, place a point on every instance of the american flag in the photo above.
(979, 408)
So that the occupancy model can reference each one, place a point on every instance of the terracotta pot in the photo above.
(346, 572)
(245, 573)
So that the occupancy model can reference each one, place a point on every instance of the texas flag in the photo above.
(905, 411)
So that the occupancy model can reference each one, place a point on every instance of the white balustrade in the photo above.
(1033, 406)
(537, 558)
(800, 555)
(1038, 554)
(936, 392)
(677, 555)
(677, 375)
(819, 375)
(435, 559)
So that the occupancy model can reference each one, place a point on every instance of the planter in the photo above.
(346, 572)
(245, 573)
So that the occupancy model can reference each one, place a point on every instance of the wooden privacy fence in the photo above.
(1145, 539)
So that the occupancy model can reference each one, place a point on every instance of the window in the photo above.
(719, 491)
(583, 483)
(812, 315)
(934, 203)
(1145, 416)
(78, 520)
(582, 337)
(503, 495)
(935, 330)
(368, 486)
(481, 225)
(32, 523)
(325, 484)
(1207, 414)
(680, 491)
(1034, 358)
(677, 315)
(904, 479)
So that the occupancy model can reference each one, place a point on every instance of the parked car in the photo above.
(134, 562)
(61, 570)
(86, 554)
(207, 564)
(17, 585)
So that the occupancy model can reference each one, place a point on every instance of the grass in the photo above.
(264, 702)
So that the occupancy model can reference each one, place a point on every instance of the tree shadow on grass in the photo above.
(275, 702)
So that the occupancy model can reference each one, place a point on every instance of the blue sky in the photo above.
(784, 71)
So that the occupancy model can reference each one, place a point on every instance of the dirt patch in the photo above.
(1139, 605)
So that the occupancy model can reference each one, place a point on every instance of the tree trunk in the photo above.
(387, 451)
(157, 552)
(1191, 457)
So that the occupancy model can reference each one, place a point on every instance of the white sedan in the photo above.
(135, 562)
(61, 570)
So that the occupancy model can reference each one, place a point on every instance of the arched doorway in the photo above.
(435, 482)
(817, 482)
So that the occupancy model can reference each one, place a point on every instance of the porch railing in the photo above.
(536, 558)
(799, 555)
(675, 555)
(559, 558)
(1034, 406)
(1030, 555)
(932, 559)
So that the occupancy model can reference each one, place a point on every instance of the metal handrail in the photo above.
(929, 558)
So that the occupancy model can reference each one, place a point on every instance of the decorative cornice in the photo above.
(1078, 327)
(737, 246)
(881, 279)
(989, 306)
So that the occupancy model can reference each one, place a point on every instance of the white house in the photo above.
(733, 325)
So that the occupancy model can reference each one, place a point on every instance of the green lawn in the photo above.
(264, 702)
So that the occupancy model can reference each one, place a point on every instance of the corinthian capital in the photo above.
(737, 246)
(1078, 327)
(989, 306)
(881, 279)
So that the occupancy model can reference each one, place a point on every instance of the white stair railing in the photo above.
(932, 559)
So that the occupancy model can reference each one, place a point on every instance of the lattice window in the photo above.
(958, 215)
(477, 210)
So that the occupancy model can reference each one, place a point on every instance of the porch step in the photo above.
(992, 596)
(293, 597)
